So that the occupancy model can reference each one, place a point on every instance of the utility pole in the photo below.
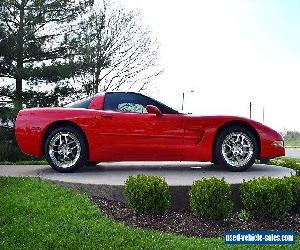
(263, 113)
(250, 110)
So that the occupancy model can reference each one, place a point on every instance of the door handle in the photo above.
(109, 116)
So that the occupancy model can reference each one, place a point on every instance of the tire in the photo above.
(265, 161)
(66, 149)
(91, 163)
(236, 148)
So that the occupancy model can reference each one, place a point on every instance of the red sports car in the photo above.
(127, 126)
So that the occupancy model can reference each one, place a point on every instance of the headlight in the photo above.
(278, 144)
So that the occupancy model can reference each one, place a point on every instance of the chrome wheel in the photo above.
(237, 149)
(64, 149)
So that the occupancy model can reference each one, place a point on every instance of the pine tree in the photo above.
(33, 46)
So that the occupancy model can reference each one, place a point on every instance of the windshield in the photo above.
(163, 106)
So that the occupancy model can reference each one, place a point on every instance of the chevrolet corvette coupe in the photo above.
(127, 126)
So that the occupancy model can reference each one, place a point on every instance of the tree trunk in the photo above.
(19, 55)
(98, 56)
(19, 82)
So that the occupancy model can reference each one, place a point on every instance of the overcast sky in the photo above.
(230, 52)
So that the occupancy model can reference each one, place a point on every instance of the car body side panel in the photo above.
(124, 137)
(170, 137)
(32, 124)
(267, 137)
(200, 133)
(25, 139)
(134, 136)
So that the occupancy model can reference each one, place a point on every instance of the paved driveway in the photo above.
(176, 174)
(293, 152)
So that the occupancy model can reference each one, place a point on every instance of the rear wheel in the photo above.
(236, 148)
(92, 163)
(66, 149)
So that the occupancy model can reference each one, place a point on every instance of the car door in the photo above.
(167, 137)
(125, 131)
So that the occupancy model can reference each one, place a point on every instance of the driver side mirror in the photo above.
(151, 109)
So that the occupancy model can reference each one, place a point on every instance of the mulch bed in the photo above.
(185, 223)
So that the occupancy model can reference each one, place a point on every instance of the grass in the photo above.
(36, 214)
(288, 162)
(292, 143)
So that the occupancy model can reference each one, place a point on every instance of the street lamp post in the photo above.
(183, 96)
(182, 101)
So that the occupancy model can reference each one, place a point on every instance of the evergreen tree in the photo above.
(33, 47)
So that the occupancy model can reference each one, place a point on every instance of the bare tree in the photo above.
(116, 51)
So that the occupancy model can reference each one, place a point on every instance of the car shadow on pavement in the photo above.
(184, 167)
(207, 167)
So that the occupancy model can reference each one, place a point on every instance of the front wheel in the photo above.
(65, 149)
(236, 148)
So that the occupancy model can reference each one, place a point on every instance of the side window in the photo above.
(126, 102)
(133, 102)
(131, 107)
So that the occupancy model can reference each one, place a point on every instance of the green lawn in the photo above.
(36, 214)
(292, 143)
(288, 162)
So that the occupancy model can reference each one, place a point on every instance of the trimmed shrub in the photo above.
(294, 182)
(12, 153)
(9, 150)
(7, 135)
(147, 194)
(267, 197)
(211, 198)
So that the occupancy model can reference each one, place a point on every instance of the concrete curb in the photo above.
(179, 194)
